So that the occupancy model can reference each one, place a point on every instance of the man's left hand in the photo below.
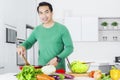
(53, 62)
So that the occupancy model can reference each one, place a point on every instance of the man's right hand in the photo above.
(21, 50)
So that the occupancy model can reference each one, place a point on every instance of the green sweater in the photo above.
(54, 41)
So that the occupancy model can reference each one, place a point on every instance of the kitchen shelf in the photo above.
(109, 33)
(110, 30)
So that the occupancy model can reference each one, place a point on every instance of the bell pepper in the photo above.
(115, 74)
(62, 71)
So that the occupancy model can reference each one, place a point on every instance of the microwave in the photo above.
(117, 59)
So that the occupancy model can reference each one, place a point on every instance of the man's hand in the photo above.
(53, 62)
(21, 50)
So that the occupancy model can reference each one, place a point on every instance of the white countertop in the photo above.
(10, 76)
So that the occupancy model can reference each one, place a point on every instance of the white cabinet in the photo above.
(74, 26)
(89, 28)
(82, 28)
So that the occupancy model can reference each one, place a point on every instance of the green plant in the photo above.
(104, 24)
(114, 24)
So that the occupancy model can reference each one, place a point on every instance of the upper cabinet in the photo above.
(89, 28)
(82, 28)
(74, 25)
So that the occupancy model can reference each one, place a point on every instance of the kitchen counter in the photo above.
(8, 76)
(11, 76)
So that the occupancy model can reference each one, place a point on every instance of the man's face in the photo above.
(45, 14)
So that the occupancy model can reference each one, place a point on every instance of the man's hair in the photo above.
(45, 4)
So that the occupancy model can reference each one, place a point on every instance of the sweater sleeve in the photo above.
(30, 41)
(68, 45)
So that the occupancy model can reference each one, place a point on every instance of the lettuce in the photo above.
(79, 67)
(28, 73)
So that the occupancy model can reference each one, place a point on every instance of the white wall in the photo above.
(95, 51)
(102, 8)
(16, 13)
(89, 51)
(7, 52)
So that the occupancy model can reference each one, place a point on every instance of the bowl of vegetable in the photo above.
(79, 67)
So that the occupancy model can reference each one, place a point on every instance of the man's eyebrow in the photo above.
(46, 10)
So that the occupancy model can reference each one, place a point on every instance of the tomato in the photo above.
(91, 74)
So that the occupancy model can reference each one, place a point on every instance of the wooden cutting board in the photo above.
(79, 75)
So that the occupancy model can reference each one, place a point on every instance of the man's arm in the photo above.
(68, 45)
(29, 42)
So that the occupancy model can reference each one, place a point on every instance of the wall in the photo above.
(89, 51)
(7, 51)
(101, 8)
(17, 14)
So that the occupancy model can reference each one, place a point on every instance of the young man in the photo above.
(54, 40)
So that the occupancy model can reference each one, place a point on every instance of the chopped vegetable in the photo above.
(44, 77)
(61, 76)
(68, 76)
(105, 77)
(91, 74)
(28, 73)
(96, 74)
(56, 77)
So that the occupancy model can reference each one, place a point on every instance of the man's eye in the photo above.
(40, 12)
(46, 11)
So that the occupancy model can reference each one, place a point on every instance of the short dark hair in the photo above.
(45, 4)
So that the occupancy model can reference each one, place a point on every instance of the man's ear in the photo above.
(52, 12)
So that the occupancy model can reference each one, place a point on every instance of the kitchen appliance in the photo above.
(117, 62)
(11, 35)
(105, 67)
(117, 59)
(19, 60)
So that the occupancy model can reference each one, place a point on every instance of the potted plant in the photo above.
(114, 24)
(104, 24)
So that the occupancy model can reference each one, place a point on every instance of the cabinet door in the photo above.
(89, 28)
(74, 26)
